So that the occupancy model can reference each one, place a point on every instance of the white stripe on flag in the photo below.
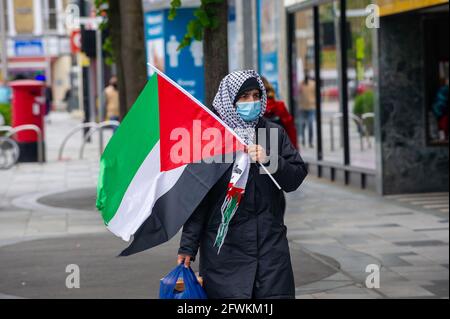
(147, 186)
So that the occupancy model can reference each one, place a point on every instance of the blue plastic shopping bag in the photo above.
(192, 288)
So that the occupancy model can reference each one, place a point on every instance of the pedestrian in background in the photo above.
(440, 109)
(48, 95)
(251, 258)
(48, 99)
(112, 101)
(307, 109)
(277, 112)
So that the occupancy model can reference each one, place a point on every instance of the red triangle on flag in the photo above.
(189, 132)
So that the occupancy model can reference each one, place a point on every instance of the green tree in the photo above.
(126, 47)
(210, 25)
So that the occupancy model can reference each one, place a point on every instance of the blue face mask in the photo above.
(249, 111)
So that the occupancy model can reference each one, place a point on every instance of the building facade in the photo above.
(362, 79)
(256, 32)
(376, 72)
(38, 42)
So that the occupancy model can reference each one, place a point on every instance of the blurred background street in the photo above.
(360, 86)
(48, 221)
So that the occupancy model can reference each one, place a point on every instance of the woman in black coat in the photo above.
(253, 259)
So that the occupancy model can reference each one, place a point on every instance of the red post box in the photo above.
(28, 107)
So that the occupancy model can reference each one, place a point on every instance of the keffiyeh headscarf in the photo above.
(223, 104)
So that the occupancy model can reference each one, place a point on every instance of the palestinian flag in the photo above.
(151, 179)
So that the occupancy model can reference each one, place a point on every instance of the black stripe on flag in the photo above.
(174, 208)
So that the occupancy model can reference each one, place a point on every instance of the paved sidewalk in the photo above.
(48, 220)
(356, 228)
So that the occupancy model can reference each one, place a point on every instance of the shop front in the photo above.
(413, 96)
(363, 89)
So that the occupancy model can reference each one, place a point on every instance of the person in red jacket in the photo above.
(277, 112)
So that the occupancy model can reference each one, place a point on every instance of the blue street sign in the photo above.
(24, 48)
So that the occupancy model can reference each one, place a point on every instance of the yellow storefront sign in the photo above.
(388, 7)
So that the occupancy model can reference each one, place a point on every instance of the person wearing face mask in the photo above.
(249, 258)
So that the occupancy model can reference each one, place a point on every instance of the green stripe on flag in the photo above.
(127, 150)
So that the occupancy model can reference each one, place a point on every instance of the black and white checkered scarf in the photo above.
(223, 103)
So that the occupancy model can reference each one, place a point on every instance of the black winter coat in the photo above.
(254, 261)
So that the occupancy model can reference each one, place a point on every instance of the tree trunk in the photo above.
(114, 29)
(132, 46)
(215, 49)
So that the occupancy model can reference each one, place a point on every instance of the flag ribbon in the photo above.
(235, 193)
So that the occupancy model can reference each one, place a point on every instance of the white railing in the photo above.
(11, 131)
(93, 127)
